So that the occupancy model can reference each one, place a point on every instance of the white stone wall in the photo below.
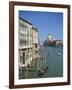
(25, 35)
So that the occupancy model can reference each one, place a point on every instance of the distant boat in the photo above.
(59, 53)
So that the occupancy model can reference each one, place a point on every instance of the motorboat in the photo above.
(59, 53)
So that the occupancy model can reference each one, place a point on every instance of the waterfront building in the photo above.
(35, 39)
(59, 42)
(28, 43)
(51, 41)
(25, 43)
(36, 46)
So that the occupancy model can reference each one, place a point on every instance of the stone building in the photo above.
(36, 47)
(28, 43)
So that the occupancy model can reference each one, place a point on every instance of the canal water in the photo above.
(54, 61)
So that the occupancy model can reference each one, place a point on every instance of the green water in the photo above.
(54, 61)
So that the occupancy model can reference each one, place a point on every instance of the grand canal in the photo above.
(54, 61)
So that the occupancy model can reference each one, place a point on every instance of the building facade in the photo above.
(35, 40)
(28, 43)
(36, 47)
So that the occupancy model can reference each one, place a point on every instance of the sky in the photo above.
(47, 22)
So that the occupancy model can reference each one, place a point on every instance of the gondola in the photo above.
(41, 72)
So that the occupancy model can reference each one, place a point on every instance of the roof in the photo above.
(36, 29)
(25, 20)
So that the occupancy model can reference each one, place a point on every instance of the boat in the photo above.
(41, 72)
(59, 53)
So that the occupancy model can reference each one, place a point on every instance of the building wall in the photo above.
(28, 43)
(25, 43)
(35, 36)
(36, 47)
(25, 34)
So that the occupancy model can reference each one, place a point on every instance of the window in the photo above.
(23, 42)
(35, 45)
(23, 57)
(23, 29)
(23, 35)
(20, 58)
